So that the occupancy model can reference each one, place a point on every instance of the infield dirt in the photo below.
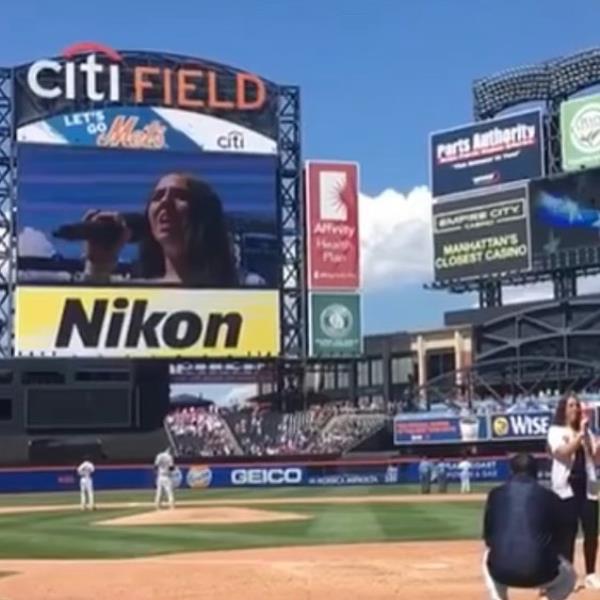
(411, 571)
(204, 514)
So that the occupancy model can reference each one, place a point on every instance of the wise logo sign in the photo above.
(142, 322)
(521, 425)
(96, 73)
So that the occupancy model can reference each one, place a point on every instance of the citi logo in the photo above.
(89, 71)
(234, 140)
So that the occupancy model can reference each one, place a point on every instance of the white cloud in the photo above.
(396, 239)
(240, 393)
(527, 293)
(222, 394)
(33, 242)
(588, 285)
(544, 291)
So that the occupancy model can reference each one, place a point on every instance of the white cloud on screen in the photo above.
(33, 242)
(396, 239)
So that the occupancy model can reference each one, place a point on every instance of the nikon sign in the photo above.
(580, 133)
(142, 322)
(481, 236)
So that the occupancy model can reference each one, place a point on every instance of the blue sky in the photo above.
(376, 78)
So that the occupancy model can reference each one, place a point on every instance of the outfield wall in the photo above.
(248, 475)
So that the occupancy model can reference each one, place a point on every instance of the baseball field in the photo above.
(298, 544)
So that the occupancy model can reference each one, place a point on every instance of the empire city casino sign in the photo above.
(99, 79)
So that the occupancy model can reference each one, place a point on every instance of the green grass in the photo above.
(73, 534)
(218, 494)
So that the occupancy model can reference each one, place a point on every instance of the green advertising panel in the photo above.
(335, 325)
(580, 133)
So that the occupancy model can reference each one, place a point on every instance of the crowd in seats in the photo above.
(196, 431)
(347, 430)
(544, 401)
(263, 432)
(332, 428)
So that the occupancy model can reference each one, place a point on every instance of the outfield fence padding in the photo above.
(250, 475)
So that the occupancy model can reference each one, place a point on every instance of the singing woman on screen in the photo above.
(575, 452)
(185, 240)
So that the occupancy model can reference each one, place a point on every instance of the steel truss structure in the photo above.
(292, 302)
(7, 194)
(290, 218)
(507, 379)
(549, 83)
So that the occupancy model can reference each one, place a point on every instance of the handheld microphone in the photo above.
(106, 231)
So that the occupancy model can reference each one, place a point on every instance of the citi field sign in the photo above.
(90, 73)
(98, 77)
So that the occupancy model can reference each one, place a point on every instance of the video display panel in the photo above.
(487, 154)
(99, 216)
(565, 219)
(482, 235)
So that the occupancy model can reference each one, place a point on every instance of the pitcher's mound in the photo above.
(208, 515)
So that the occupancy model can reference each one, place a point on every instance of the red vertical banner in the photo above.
(331, 196)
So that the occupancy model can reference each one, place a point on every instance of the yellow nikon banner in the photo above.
(146, 322)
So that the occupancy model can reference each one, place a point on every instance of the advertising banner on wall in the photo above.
(145, 322)
(565, 217)
(505, 426)
(580, 133)
(488, 153)
(411, 429)
(147, 128)
(104, 216)
(483, 235)
(530, 425)
(331, 192)
(520, 425)
(335, 327)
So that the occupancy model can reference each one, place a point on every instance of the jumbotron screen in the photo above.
(146, 207)
(95, 216)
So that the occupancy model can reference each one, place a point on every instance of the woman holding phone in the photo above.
(575, 452)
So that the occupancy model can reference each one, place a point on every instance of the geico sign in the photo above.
(290, 476)
(98, 78)
(105, 326)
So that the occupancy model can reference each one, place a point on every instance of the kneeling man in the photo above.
(522, 528)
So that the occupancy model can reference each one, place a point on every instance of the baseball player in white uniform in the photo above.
(164, 465)
(464, 469)
(86, 484)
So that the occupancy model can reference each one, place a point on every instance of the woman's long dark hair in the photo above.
(208, 248)
(560, 416)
